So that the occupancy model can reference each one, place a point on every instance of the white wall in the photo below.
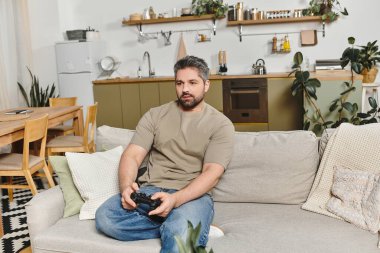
(51, 18)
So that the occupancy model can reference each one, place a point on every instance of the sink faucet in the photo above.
(151, 72)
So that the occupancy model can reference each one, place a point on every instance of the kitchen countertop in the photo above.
(321, 75)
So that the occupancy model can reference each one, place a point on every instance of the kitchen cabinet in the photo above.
(131, 106)
(123, 104)
(167, 92)
(284, 110)
(214, 96)
(109, 105)
(149, 96)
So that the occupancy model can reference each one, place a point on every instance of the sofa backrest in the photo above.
(270, 167)
(266, 167)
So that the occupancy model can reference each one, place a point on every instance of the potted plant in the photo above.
(190, 246)
(363, 59)
(327, 9)
(202, 7)
(38, 96)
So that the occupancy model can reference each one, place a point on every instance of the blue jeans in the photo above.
(130, 225)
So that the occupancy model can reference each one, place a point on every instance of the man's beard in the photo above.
(189, 104)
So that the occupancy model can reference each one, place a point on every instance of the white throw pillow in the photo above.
(96, 177)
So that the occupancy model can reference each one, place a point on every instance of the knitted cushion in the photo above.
(96, 177)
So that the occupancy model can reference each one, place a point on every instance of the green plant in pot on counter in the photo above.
(327, 9)
(202, 7)
(363, 59)
(38, 96)
(345, 110)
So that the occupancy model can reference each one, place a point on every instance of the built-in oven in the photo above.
(246, 100)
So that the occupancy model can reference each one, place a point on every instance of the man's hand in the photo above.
(168, 203)
(126, 200)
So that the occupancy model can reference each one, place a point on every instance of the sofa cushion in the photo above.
(248, 227)
(72, 235)
(96, 177)
(73, 200)
(268, 228)
(110, 137)
(270, 167)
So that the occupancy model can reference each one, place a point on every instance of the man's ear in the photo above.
(207, 85)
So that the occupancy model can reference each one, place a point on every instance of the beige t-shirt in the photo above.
(181, 142)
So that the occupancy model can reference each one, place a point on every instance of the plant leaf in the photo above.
(348, 106)
(372, 102)
(344, 12)
(351, 40)
(348, 90)
(180, 244)
(23, 92)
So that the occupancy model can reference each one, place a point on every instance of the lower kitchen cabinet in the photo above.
(149, 96)
(284, 110)
(167, 92)
(214, 96)
(131, 106)
(109, 105)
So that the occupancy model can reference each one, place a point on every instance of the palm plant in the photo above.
(38, 97)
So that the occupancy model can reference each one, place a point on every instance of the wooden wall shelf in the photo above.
(169, 20)
(275, 21)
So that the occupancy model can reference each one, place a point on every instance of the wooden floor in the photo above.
(27, 250)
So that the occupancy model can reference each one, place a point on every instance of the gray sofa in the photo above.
(257, 205)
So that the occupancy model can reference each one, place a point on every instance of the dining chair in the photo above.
(62, 129)
(26, 165)
(70, 143)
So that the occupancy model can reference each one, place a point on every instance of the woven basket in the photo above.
(369, 76)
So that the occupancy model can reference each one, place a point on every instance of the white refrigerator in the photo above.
(77, 67)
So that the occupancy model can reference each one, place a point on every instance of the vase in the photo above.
(369, 76)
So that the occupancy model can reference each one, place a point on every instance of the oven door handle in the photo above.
(250, 91)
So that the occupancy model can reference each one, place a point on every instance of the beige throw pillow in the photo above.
(96, 177)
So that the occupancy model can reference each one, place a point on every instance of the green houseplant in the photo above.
(192, 238)
(202, 7)
(363, 59)
(327, 9)
(38, 97)
(345, 110)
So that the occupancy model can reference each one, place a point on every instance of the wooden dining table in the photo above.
(12, 130)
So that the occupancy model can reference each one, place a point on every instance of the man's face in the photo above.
(190, 88)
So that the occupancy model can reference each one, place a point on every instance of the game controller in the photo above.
(142, 198)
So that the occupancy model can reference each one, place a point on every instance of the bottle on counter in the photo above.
(139, 72)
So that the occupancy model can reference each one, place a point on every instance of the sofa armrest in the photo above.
(44, 210)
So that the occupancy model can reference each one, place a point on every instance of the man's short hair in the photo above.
(193, 62)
